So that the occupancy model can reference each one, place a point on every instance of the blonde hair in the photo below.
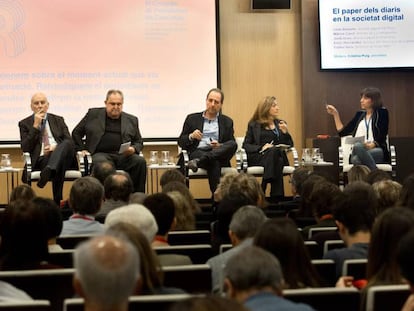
(358, 173)
(185, 219)
(261, 114)
(388, 193)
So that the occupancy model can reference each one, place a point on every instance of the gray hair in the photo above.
(137, 215)
(107, 269)
(253, 268)
(246, 221)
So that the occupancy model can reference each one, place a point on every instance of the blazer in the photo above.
(93, 127)
(380, 121)
(195, 121)
(31, 137)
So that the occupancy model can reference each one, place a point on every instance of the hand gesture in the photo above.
(197, 135)
(283, 126)
(331, 110)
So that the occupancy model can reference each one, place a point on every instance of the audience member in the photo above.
(321, 202)
(183, 189)
(354, 216)
(281, 237)
(106, 273)
(208, 303)
(137, 198)
(254, 277)
(118, 187)
(11, 294)
(85, 199)
(296, 181)
(377, 175)
(171, 175)
(405, 257)
(407, 193)
(223, 186)
(184, 216)
(150, 268)
(358, 173)
(136, 215)
(53, 221)
(244, 225)
(307, 188)
(102, 170)
(388, 194)
(105, 129)
(22, 192)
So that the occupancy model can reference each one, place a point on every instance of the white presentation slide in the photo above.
(161, 53)
(366, 34)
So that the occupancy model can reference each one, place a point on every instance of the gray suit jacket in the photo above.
(93, 127)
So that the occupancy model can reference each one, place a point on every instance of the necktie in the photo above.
(45, 136)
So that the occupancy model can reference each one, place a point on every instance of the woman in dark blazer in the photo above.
(264, 132)
(372, 123)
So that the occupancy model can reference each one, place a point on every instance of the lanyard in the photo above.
(367, 125)
(276, 131)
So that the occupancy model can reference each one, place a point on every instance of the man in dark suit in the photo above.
(46, 137)
(209, 138)
(105, 130)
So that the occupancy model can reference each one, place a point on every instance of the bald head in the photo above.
(118, 186)
(39, 103)
(105, 265)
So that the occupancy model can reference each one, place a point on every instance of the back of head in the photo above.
(253, 269)
(162, 207)
(246, 221)
(171, 175)
(323, 198)
(118, 187)
(407, 192)
(183, 189)
(137, 198)
(136, 215)
(52, 214)
(388, 194)
(388, 230)
(106, 271)
(358, 173)
(86, 196)
(246, 188)
(298, 178)
(22, 192)
(208, 303)
(376, 176)
(307, 188)
(281, 237)
(224, 185)
(356, 209)
(406, 257)
(184, 216)
(101, 170)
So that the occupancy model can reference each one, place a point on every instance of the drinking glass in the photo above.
(153, 157)
(5, 161)
(165, 157)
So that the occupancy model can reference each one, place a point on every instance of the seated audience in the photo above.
(150, 268)
(184, 216)
(407, 192)
(171, 175)
(183, 189)
(137, 198)
(377, 175)
(223, 186)
(354, 216)
(358, 173)
(281, 237)
(53, 220)
(296, 181)
(405, 260)
(244, 225)
(118, 187)
(207, 303)
(254, 277)
(388, 194)
(22, 192)
(101, 170)
(85, 199)
(136, 215)
(106, 273)
(11, 294)
(307, 188)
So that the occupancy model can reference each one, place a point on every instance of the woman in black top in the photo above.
(264, 132)
(370, 122)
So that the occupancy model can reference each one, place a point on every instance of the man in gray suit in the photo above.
(105, 130)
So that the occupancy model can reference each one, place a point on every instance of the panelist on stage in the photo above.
(208, 137)
(105, 130)
(46, 137)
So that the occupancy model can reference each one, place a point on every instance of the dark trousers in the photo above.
(134, 165)
(59, 161)
(212, 160)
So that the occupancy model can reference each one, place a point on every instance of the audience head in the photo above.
(281, 237)
(208, 303)
(171, 175)
(250, 271)
(118, 186)
(24, 241)
(374, 94)
(184, 216)
(388, 194)
(101, 170)
(86, 196)
(389, 228)
(223, 186)
(137, 198)
(406, 258)
(323, 198)
(52, 214)
(358, 173)
(150, 269)
(263, 112)
(298, 178)
(106, 272)
(22, 192)
(376, 176)
(136, 215)
(183, 189)
(407, 192)
(162, 207)
(307, 189)
(245, 223)
(355, 211)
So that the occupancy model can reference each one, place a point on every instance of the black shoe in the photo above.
(45, 175)
(193, 165)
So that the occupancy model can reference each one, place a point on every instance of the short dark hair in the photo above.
(163, 209)
(118, 186)
(52, 214)
(298, 178)
(171, 175)
(323, 198)
(216, 89)
(376, 176)
(356, 209)
(23, 192)
(374, 94)
(110, 92)
(406, 256)
(86, 195)
(101, 170)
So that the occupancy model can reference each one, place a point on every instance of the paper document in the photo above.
(353, 140)
(282, 146)
(124, 147)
